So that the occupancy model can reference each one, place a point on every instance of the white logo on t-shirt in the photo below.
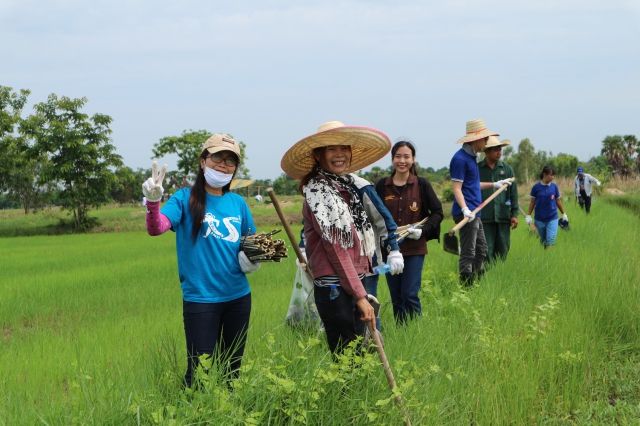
(213, 225)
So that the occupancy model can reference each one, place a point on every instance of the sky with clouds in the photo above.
(564, 74)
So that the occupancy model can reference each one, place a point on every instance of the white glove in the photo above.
(528, 219)
(499, 183)
(414, 233)
(246, 265)
(395, 262)
(468, 213)
(565, 217)
(152, 187)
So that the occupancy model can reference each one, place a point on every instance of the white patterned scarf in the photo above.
(334, 215)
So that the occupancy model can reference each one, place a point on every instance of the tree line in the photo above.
(60, 155)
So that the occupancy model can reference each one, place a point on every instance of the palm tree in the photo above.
(613, 148)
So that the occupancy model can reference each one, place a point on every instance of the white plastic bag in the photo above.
(302, 310)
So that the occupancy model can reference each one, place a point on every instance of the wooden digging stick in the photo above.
(285, 224)
(376, 338)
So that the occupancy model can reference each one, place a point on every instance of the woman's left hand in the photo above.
(395, 262)
(414, 233)
(246, 265)
(367, 311)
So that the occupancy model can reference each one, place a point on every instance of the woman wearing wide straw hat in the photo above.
(466, 185)
(209, 222)
(345, 223)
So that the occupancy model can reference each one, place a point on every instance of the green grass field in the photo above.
(91, 333)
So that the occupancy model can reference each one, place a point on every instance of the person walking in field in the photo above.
(345, 223)
(209, 222)
(410, 199)
(583, 185)
(500, 216)
(545, 199)
(466, 186)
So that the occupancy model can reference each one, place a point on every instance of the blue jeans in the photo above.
(547, 231)
(404, 289)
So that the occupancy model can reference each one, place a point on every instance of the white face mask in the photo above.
(215, 178)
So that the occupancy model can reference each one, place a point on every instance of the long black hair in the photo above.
(197, 200)
(413, 170)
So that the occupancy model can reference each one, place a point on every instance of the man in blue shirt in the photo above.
(466, 185)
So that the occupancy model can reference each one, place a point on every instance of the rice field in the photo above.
(91, 333)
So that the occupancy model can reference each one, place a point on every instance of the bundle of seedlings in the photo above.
(261, 248)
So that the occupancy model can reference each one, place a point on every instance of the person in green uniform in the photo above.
(500, 216)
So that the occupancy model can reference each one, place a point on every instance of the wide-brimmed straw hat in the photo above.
(494, 142)
(476, 130)
(368, 145)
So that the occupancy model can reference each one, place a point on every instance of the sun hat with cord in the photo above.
(493, 142)
(476, 130)
(221, 142)
(368, 145)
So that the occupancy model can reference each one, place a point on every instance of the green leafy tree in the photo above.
(527, 161)
(599, 165)
(187, 147)
(284, 185)
(565, 164)
(80, 157)
(21, 164)
(127, 186)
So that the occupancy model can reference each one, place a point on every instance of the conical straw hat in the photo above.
(368, 145)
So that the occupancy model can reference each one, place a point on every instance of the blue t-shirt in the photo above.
(464, 168)
(546, 197)
(208, 266)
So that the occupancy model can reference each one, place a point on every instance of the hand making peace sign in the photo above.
(152, 187)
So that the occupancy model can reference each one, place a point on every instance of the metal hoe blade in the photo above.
(450, 243)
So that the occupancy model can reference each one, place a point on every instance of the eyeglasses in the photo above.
(219, 159)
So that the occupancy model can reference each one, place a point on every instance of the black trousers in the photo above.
(340, 317)
(585, 200)
(219, 328)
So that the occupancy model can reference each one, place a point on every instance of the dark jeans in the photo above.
(219, 328)
(340, 317)
(473, 250)
(371, 287)
(585, 200)
(498, 236)
(404, 289)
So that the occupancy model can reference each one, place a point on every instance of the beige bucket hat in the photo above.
(494, 141)
(368, 145)
(476, 129)
(221, 142)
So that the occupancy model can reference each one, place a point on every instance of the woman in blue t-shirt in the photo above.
(209, 222)
(545, 198)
